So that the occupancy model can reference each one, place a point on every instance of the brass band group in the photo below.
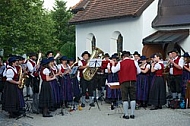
(57, 82)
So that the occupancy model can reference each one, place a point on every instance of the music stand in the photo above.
(27, 108)
(95, 63)
(116, 85)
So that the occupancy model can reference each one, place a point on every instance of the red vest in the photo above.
(128, 71)
(104, 64)
(81, 70)
(160, 72)
(175, 70)
(43, 76)
(16, 76)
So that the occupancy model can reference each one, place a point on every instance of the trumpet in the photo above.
(39, 58)
(78, 59)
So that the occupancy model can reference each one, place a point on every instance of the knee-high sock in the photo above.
(91, 99)
(83, 99)
(179, 95)
(133, 104)
(125, 107)
(174, 95)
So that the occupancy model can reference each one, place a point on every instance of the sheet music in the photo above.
(74, 70)
(95, 63)
(113, 84)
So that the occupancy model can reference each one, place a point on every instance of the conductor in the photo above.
(128, 70)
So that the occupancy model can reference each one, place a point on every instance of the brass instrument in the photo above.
(57, 55)
(78, 59)
(88, 73)
(21, 78)
(39, 58)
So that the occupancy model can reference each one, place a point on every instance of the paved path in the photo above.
(94, 117)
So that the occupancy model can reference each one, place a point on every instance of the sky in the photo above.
(49, 3)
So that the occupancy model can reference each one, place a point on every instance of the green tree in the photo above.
(25, 26)
(64, 33)
(68, 49)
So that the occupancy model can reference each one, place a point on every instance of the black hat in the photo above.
(125, 52)
(85, 52)
(186, 54)
(45, 61)
(143, 58)
(12, 59)
(175, 50)
(48, 52)
(32, 54)
(71, 59)
(63, 58)
(106, 55)
(152, 56)
(114, 56)
(51, 59)
(136, 53)
(20, 58)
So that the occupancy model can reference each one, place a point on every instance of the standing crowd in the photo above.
(56, 83)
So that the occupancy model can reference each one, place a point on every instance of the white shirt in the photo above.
(157, 66)
(46, 71)
(180, 63)
(116, 68)
(10, 73)
(30, 67)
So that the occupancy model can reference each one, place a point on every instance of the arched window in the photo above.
(93, 43)
(119, 44)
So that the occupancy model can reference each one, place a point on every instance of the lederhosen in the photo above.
(86, 84)
(157, 94)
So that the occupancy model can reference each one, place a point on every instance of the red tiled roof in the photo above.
(97, 10)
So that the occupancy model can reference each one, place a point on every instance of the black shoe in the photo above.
(47, 115)
(159, 107)
(132, 116)
(125, 117)
(153, 108)
(101, 99)
(83, 105)
(35, 112)
(13, 116)
(92, 105)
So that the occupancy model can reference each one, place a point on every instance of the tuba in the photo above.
(88, 73)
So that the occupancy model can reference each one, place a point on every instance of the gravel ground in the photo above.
(94, 117)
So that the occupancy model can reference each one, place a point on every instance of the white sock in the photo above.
(179, 95)
(83, 99)
(125, 107)
(133, 104)
(174, 95)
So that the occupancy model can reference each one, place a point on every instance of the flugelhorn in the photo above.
(39, 58)
(57, 55)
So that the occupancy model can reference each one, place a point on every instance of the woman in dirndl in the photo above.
(45, 96)
(157, 96)
(74, 80)
(112, 95)
(186, 78)
(13, 100)
(55, 85)
(65, 81)
(143, 83)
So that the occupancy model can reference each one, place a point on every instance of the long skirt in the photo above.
(75, 86)
(66, 88)
(55, 92)
(186, 78)
(11, 101)
(142, 87)
(157, 91)
(45, 97)
(113, 93)
(187, 94)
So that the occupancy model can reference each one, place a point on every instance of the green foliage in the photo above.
(26, 27)
(68, 49)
